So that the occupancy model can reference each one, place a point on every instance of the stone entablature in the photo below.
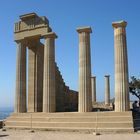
(31, 25)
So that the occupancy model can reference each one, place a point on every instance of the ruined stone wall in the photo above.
(66, 99)
(71, 101)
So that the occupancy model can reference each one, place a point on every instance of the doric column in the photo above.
(121, 67)
(93, 88)
(31, 76)
(49, 73)
(85, 97)
(35, 75)
(39, 75)
(20, 98)
(107, 90)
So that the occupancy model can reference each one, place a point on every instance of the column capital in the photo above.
(107, 76)
(86, 29)
(121, 23)
(50, 35)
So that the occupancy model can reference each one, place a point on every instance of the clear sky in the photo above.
(65, 16)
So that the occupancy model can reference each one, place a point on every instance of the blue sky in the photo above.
(65, 16)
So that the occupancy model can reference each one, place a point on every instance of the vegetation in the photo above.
(134, 87)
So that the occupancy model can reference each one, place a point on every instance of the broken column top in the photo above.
(28, 16)
(107, 76)
(84, 29)
(121, 23)
(31, 16)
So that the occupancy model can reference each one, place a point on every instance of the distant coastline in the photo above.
(6, 108)
(5, 112)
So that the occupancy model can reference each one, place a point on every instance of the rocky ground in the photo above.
(55, 135)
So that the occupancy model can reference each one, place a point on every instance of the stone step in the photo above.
(83, 129)
(71, 124)
(75, 119)
(73, 114)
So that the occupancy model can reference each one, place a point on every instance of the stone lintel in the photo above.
(34, 37)
(50, 35)
(28, 16)
(84, 29)
(31, 33)
(93, 76)
(107, 75)
(121, 23)
(21, 41)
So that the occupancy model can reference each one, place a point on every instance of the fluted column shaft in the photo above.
(20, 98)
(93, 88)
(107, 90)
(39, 82)
(121, 67)
(33, 75)
(85, 97)
(49, 104)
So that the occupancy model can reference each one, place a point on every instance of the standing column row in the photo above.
(85, 97)
(41, 83)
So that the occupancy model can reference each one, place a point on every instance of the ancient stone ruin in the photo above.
(46, 88)
(51, 104)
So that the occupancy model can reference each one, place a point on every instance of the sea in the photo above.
(5, 112)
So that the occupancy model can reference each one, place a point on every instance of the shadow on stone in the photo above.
(101, 109)
(4, 136)
(136, 121)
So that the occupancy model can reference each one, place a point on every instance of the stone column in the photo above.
(107, 90)
(39, 81)
(85, 97)
(20, 98)
(93, 88)
(31, 76)
(35, 75)
(121, 67)
(49, 73)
